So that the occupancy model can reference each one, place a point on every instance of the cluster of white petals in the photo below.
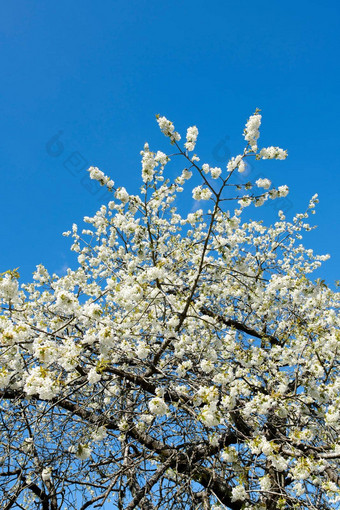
(158, 406)
(122, 195)
(168, 129)
(98, 175)
(215, 172)
(150, 161)
(46, 474)
(8, 287)
(239, 493)
(192, 134)
(251, 132)
(236, 162)
(263, 183)
(201, 193)
(39, 382)
(82, 452)
(283, 190)
(272, 153)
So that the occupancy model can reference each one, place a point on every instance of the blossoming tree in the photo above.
(189, 362)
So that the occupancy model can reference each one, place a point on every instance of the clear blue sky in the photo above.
(95, 73)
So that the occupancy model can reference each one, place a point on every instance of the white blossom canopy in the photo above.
(189, 362)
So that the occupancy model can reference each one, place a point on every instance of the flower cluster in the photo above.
(168, 129)
(263, 183)
(251, 132)
(158, 406)
(236, 162)
(201, 193)
(98, 175)
(272, 153)
(192, 134)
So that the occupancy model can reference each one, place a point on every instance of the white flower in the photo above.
(38, 382)
(186, 174)
(251, 132)
(238, 493)
(148, 164)
(142, 350)
(93, 310)
(266, 447)
(229, 454)
(272, 153)
(41, 274)
(207, 366)
(200, 193)
(183, 367)
(147, 418)
(332, 416)
(205, 168)
(244, 201)
(8, 287)
(161, 158)
(215, 172)
(167, 127)
(123, 425)
(210, 416)
(263, 183)
(98, 175)
(192, 133)
(158, 406)
(265, 483)
(278, 462)
(4, 378)
(93, 377)
(99, 434)
(66, 302)
(260, 201)
(46, 474)
(283, 191)
(236, 162)
(299, 488)
(82, 452)
(241, 167)
(27, 445)
(122, 195)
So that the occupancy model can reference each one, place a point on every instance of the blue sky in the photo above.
(84, 79)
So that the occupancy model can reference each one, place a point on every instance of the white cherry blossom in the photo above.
(189, 355)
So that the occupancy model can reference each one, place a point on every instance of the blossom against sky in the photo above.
(82, 82)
